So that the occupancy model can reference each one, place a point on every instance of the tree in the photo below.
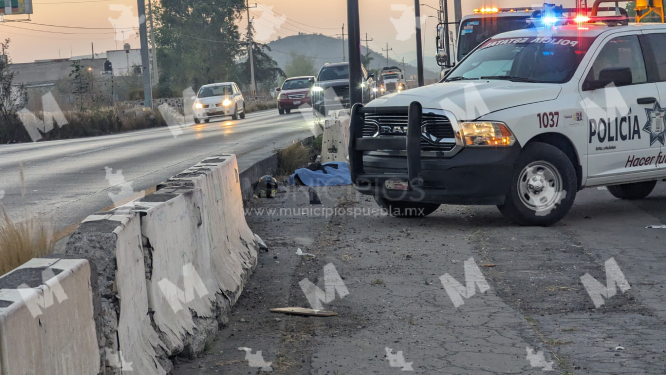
(300, 65)
(266, 70)
(79, 81)
(197, 41)
(12, 99)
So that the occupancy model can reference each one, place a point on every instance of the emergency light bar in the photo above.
(501, 10)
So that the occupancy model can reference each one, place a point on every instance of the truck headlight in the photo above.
(493, 134)
(317, 89)
(226, 102)
(198, 106)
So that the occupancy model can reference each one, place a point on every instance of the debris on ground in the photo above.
(260, 242)
(267, 187)
(303, 311)
(301, 253)
(656, 227)
(489, 265)
(314, 198)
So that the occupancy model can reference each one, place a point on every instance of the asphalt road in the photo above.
(533, 316)
(67, 180)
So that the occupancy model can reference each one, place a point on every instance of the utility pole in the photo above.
(457, 8)
(444, 6)
(145, 60)
(343, 42)
(253, 84)
(355, 71)
(156, 75)
(387, 51)
(419, 47)
(92, 71)
(404, 71)
(367, 49)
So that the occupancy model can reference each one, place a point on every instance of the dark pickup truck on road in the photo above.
(331, 91)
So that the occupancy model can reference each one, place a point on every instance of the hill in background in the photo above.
(326, 49)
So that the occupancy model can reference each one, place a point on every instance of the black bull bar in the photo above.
(412, 144)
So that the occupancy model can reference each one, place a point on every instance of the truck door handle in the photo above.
(646, 100)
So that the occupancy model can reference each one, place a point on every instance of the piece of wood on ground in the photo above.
(303, 311)
(488, 265)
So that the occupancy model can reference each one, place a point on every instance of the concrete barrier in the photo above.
(127, 340)
(166, 270)
(46, 319)
(335, 142)
(174, 262)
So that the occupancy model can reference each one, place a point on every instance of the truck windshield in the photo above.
(303, 83)
(475, 31)
(535, 59)
(390, 76)
(331, 73)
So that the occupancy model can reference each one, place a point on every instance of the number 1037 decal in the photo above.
(549, 119)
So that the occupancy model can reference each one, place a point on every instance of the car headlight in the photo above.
(317, 89)
(283, 96)
(374, 89)
(226, 102)
(198, 106)
(494, 134)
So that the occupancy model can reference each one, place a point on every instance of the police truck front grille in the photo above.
(438, 133)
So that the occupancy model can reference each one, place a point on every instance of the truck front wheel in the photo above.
(406, 209)
(637, 190)
(543, 186)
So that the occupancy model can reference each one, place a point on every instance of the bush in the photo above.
(89, 123)
(316, 144)
(293, 157)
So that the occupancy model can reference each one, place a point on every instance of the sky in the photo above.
(87, 24)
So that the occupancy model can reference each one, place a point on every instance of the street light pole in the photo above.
(419, 47)
(145, 60)
(355, 71)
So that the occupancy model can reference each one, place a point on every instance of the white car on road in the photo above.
(524, 122)
(218, 100)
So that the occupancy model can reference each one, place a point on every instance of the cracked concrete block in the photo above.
(112, 241)
(46, 319)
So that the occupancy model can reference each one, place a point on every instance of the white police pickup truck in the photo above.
(523, 122)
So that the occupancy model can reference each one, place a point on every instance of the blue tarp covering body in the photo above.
(333, 177)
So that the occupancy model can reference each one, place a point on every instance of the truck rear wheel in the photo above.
(543, 186)
(637, 190)
(406, 209)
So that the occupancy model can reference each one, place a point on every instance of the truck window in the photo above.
(657, 42)
(475, 31)
(621, 52)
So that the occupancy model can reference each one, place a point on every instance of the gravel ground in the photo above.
(529, 312)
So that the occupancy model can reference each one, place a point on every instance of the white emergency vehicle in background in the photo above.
(391, 79)
(526, 120)
(487, 22)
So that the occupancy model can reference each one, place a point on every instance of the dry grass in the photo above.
(22, 241)
(293, 157)
(260, 106)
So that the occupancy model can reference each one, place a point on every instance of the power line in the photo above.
(83, 28)
(304, 24)
(74, 2)
(55, 32)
